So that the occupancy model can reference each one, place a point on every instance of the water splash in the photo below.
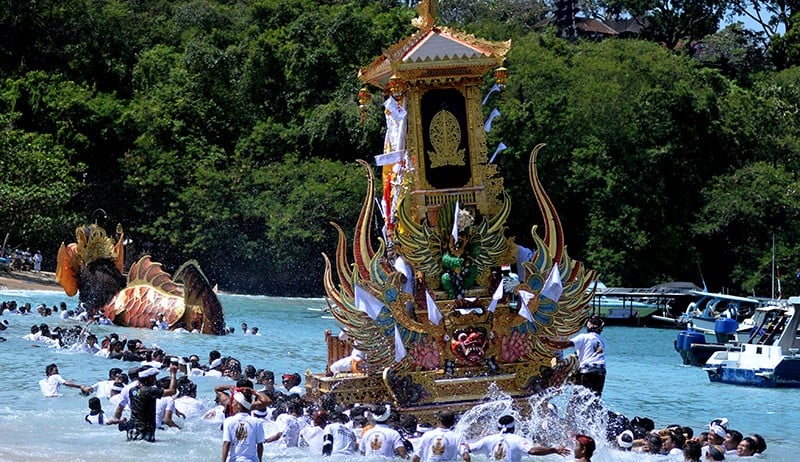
(549, 418)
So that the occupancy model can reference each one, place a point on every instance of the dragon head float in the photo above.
(93, 268)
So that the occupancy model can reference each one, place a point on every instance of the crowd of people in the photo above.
(715, 443)
(252, 412)
(21, 260)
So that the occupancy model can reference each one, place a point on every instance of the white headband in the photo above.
(240, 398)
(507, 426)
(383, 417)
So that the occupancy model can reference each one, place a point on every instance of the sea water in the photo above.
(645, 378)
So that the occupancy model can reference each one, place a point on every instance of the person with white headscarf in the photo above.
(382, 440)
(242, 434)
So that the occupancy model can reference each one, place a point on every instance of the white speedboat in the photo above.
(710, 307)
(771, 355)
(716, 314)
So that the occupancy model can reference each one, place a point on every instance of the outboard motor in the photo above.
(725, 329)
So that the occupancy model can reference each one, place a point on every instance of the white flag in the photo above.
(434, 315)
(552, 287)
(367, 303)
(500, 147)
(491, 90)
(397, 111)
(382, 209)
(388, 158)
(399, 348)
(454, 233)
(487, 127)
(524, 298)
(402, 267)
(498, 294)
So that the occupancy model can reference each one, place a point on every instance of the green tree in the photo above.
(734, 50)
(630, 138)
(776, 22)
(674, 23)
(37, 183)
(496, 20)
(747, 208)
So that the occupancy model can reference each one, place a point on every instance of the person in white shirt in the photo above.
(124, 394)
(187, 403)
(311, 435)
(162, 322)
(242, 434)
(37, 262)
(591, 350)
(90, 345)
(673, 443)
(288, 426)
(165, 409)
(51, 386)
(156, 359)
(193, 366)
(731, 442)
(442, 443)
(338, 439)
(291, 382)
(115, 395)
(382, 440)
(507, 446)
(95, 415)
(349, 364)
(34, 336)
(102, 389)
(214, 364)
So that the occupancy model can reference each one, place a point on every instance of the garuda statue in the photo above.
(456, 331)
(93, 267)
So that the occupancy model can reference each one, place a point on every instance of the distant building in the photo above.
(569, 25)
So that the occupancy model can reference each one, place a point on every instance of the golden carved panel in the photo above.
(445, 135)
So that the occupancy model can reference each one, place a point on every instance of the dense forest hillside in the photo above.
(227, 131)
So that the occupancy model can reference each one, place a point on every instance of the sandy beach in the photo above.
(28, 280)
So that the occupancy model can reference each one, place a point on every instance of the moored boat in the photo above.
(769, 358)
(696, 344)
(622, 308)
(714, 314)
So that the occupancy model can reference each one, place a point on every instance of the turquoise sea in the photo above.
(646, 378)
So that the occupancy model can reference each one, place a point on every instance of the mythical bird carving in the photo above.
(478, 333)
(92, 267)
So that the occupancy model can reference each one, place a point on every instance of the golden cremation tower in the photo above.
(435, 320)
(437, 75)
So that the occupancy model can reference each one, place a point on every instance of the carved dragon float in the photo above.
(428, 306)
(93, 267)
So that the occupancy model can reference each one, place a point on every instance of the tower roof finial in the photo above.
(427, 15)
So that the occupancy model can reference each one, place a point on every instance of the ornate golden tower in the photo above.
(429, 308)
(437, 74)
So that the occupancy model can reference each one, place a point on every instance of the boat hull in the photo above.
(755, 365)
(785, 375)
